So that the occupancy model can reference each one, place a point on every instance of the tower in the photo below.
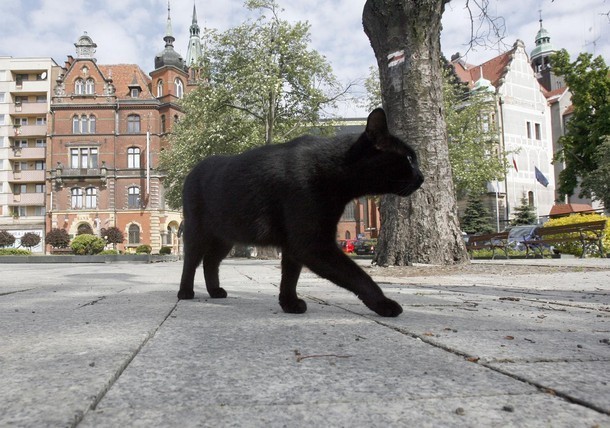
(540, 60)
(194, 52)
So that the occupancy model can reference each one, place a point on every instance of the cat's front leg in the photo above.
(289, 300)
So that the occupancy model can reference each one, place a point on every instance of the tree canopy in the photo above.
(589, 125)
(261, 84)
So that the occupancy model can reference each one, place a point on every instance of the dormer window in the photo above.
(135, 92)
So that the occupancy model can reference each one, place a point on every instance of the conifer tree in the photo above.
(524, 214)
(477, 218)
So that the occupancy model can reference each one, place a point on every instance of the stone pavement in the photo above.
(109, 346)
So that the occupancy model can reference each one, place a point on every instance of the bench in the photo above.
(589, 235)
(491, 241)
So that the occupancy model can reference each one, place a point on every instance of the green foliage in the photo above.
(164, 251)
(472, 134)
(143, 249)
(6, 239)
(589, 125)
(524, 214)
(597, 182)
(575, 248)
(14, 252)
(262, 84)
(113, 235)
(109, 253)
(30, 239)
(477, 218)
(58, 238)
(87, 244)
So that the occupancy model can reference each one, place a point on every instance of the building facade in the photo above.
(109, 124)
(25, 88)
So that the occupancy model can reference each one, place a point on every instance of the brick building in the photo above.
(108, 125)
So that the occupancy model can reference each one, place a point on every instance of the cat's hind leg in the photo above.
(216, 251)
(193, 254)
(289, 301)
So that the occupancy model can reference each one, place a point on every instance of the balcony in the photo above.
(27, 153)
(32, 87)
(30, 131)
(81, 173)
(26, 176)
(29, 108)
(23, 199)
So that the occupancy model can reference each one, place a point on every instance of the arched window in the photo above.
(84, 124)
(76, 125)
(84, 229)
(530, 198)
(133, 197)
(77, 198)
(163, 124)
(79, 87)
(92, 124)
(179, 87)
(90, 87)
(133, 157)
(134, 234)
(133, 124)
(90, 197)
(159, 88)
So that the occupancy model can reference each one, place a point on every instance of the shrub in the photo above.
(109, 253)
(87, 244)
(6, 239)
(164, 251)
(575, 248)
(144, 249)
(30, 240)
(58, 238)
(14, 252)
(113, 235)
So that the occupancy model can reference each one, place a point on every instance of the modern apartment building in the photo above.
(25, 88)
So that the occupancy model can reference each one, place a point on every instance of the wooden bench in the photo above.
(491, 241)
(589, 235)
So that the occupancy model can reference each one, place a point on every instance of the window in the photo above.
(2, 96)
(538, 131)
(163, 125)
(39, 211)
(92, 124)
(84, 157)
(135, 92)
(134, 234)
(529, 129)
(40, 165)
(133, 124)
(530, 198)
(41, 99)
(79, 87)
(90, 87)
(133, 197)
(76, 125)
(77, 198)
(41, 143)
(83, 124)
(159, 88)
(20, 188)
(179, 86)
(41, 121)
(133, 157)
(21, 144)
(90, 197)
(23, 121)
(2, 119)
(1, 141)
(40, 188)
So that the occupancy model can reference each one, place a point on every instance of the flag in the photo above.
(515, 165)
(540, 177)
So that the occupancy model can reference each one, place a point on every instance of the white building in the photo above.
(25, 85)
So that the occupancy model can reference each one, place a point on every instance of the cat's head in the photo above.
(388, 164)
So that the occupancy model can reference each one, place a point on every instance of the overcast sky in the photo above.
(131, 31)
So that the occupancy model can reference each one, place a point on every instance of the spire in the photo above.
(543, 48)
(169, 36)
(194, 51)
(169, 57)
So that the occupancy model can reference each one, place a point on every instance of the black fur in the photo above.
(292, 196)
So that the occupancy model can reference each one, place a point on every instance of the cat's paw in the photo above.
(217, 293)
(385, 307)
(186, 294)
(297, 306)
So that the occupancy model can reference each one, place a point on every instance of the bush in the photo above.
(14, 252)
(30, 240)
(58, 238)
(87, 245)
(6, 239)
(109, 253)
(113, 235)
(144, 249)
(164, 251)
(575, 248)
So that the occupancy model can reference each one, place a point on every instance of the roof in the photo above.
(125, 75)
(555, 95)
(492, 70)
(559, 210)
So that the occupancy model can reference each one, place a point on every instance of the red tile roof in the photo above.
(123, 76)
(493, 70)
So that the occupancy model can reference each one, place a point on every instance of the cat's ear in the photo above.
(376, 124)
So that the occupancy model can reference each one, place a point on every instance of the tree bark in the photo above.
(405, 36)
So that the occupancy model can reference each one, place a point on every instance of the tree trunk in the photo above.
(423, 228)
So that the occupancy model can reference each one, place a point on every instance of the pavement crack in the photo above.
(15, 292)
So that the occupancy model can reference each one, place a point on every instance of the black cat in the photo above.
(292, 196)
